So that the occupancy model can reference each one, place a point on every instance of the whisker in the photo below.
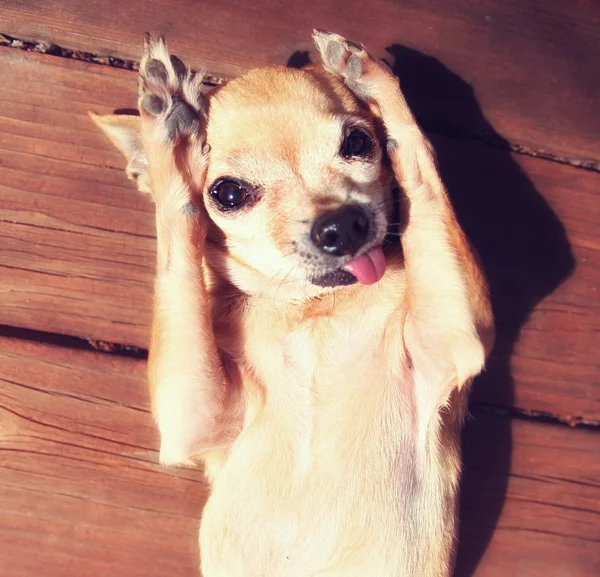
(384, 201)
(306, 288)
(273, 278)
(333, 302)
(284, 280)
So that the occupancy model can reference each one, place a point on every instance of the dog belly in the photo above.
(272, 515)
(246, 536)
(341, 514)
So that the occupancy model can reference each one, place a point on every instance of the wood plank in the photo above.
(532, 65)
(78, 241)
(549, 523)
(80, 487)
(81, 491)
(77, 253)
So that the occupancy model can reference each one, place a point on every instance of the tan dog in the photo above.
(319, 370)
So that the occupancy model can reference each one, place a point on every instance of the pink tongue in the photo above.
(368, 268)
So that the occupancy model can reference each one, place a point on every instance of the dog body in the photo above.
(327, 411)
(327, 470)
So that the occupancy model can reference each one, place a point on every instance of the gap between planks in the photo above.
(53, 49)
(131, 351)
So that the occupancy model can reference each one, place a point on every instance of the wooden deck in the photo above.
(509, 92)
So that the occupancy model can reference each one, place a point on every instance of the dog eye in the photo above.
(357, 143)
(230, 193)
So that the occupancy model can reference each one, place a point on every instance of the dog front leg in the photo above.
(449, 327)
(191, 397)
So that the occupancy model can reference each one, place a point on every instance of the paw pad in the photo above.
(153, 104)
(354, 67)
(156, 71)
(178, 67)
(181, 119)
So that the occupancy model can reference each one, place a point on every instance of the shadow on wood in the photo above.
(521, 242)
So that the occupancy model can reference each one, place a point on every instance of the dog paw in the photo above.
(169, 93)
(360, 71)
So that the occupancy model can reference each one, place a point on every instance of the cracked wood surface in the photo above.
(532, 65)
(82, 494)
(77, 241)
(81, 491)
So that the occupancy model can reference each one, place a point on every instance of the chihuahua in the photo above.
(319, 314)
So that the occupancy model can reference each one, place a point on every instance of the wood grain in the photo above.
(532, 65)
(77, 240)
(549, 524)
(82, 495)
(77, 249)
(81, 491)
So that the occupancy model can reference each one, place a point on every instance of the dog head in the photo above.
(296, 184)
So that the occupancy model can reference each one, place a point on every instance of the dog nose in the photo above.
(341, 232)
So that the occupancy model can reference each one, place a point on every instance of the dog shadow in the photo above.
(525, 253)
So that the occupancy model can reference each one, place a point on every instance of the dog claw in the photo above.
(147, 41)
(182, 118)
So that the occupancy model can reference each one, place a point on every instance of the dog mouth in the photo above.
(365, 269)
(335, 278)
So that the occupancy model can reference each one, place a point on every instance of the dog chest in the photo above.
(315, 353)
(330, 395)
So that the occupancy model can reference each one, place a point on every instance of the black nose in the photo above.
(341, 232)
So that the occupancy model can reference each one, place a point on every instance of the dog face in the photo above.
(296, 183)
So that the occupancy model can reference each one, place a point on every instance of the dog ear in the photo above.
(125, 133)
